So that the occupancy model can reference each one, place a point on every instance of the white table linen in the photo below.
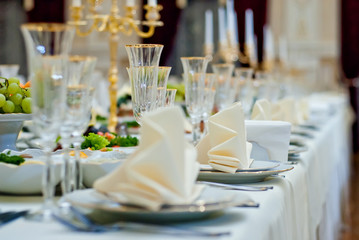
(305, 203)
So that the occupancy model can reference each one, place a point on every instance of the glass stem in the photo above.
(77, 166)
(196, 131)
(66, 168)
(48, 183)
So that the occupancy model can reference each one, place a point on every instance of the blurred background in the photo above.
(315, 40)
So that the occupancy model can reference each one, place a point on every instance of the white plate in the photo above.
(26, 179)
(255, 166)
(212, 201)
(241, 177)
(294, 149)
(99, 164)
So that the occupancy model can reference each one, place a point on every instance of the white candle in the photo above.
(152, 3)
(222, 26)
(130, 3)
(235, 28)
(249, 30)
(76, 3)
(208, 40)
(230, 11)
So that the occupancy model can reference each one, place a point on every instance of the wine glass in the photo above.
(245, 91)
(163, 74)
(194, 77)
(143, 89)
(224, 93)
(79, 96)
(47, 46)
(144, 54)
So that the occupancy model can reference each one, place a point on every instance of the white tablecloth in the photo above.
(306, 203)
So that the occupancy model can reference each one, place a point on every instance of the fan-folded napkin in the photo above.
(225, 147)
(288, 109)
(162, 171)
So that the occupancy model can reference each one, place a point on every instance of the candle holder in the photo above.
(114, 24)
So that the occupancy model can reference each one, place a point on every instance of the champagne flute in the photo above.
(78, 106)
(194, 77)
(48, 45)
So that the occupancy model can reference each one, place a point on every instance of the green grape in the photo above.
(18, 109)
(27, 92)
(14, 80)
(26, 105)
(13, 88)
(9, 107)
(2, 100)
(16, 98)
(3, 88)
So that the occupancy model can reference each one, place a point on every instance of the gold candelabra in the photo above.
(114, 24)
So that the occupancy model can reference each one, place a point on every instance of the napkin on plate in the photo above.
(225, 147)
(262, 110)
(163, 170)
(273, 136)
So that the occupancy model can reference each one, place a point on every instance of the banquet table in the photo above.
(307, 202)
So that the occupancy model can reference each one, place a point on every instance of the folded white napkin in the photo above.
(273, 136)
(162, 171)
(288, 109)
(225, 147)
(262, 110)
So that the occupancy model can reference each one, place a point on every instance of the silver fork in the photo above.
(80, 222)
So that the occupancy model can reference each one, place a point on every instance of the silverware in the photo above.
(78, 221)
(6, 217)
(236, 187)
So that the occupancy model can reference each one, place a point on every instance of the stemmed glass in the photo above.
(194, 77)
(143, 72)
(208, 98)
(143, 89)
(245, 91)
(78, 110)
(48, 45)
(163, 74)
(225, 95)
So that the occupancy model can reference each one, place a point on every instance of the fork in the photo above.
(80, 222)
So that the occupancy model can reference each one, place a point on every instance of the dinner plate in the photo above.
(211, 202)
(255, 166)
(27, 178)
(295, 149)
(241, 177)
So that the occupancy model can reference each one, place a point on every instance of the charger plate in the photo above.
(102, 209)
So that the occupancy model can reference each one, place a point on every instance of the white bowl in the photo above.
(10, 126)
(99, 164)
(26, 179)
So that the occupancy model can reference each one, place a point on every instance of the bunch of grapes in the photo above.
(13, 98)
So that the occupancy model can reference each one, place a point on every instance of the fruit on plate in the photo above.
(14, 97)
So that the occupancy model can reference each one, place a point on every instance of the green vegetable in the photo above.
(7, 158)
(132, 124)
(124, 141)
(95, 142)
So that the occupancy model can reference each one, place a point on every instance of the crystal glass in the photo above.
(194, 69)
(225, 94)
(208, 98)
(170, 97)
(245, 90)
(79, 97)
(47, 46)
(163, 74)
(143, 89)
(144, 54)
